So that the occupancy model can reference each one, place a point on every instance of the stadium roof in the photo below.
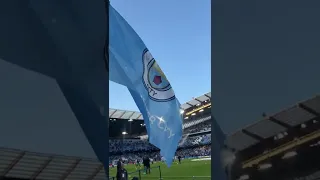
(196, 101)
(271, 126)
(124, 114)
(28, 165)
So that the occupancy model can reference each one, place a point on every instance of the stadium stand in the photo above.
(283, 146)
(130, 123)
(19, 164)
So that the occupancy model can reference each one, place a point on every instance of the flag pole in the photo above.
(106, 48)
(106, 61)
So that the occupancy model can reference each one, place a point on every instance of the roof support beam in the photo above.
(96, 172)
(308, 109)
(198, 100)
(254, 136)
(283, 124)
(45, 164)
(139, 116)
(121, 115)
(71, 168)
(110, 115)
(207, 96)
(131, 115)
(14, 162)
(190, 104)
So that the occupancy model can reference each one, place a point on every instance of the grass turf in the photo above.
(186, 170)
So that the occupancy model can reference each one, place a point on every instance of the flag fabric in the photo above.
(218, 138)
(65, 40)
(132, 65)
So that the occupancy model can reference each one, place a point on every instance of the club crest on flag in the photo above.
(154, 80)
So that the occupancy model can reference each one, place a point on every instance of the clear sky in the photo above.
(178, 34)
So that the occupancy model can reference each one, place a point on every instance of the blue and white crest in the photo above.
(154, 80)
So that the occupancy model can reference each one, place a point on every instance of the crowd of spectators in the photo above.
(131, 150)
(136, 149)
(130, 146)
(137, 145)
(204, 150)
(202, 127)
(196, 140)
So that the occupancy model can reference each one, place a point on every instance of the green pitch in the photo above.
(198, 170)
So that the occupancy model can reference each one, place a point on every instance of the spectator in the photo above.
(122, 174)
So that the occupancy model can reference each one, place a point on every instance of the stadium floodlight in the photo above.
(130, 120)
(289, 154)
(228, 157)
(193, 114)
(186, 117)
(201, 110)
(181, 111)
(124, 133)
(280, 136)
(244, 177)
(265, 166)
(315, 144)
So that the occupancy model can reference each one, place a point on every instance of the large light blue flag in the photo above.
(132, 65)
(64, 39)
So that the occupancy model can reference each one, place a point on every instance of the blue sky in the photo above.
(178, 35)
